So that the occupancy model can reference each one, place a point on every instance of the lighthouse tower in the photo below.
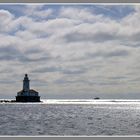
(26, 83)
(27, 94)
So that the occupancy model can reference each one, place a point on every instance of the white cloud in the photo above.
(6, 18)
(82, 14)
(76, 50)
(37, 12)
(5, 15)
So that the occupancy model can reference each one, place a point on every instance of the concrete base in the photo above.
(27, 98)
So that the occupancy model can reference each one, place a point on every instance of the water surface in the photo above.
(54, 117)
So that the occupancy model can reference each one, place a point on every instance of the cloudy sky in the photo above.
(71, 51)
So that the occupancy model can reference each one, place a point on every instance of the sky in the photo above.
(72, 51)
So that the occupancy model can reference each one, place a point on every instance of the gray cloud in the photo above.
(78, 71)
(117, 77)
(68, 70)
(25, 59)
(81, 37)
(87, 82)
(109, 54)
(9, 53)
(46, 69)
(33, 51)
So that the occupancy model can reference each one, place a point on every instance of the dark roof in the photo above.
(20, 91)
(31, 91)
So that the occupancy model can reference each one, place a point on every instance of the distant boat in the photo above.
(96, 98)
(27, 94)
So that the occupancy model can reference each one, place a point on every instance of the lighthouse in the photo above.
(27, 94)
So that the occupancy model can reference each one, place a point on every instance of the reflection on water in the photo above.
(54, 118)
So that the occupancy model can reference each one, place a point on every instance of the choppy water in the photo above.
(71, 118)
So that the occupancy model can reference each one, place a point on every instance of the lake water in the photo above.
(71, 118)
